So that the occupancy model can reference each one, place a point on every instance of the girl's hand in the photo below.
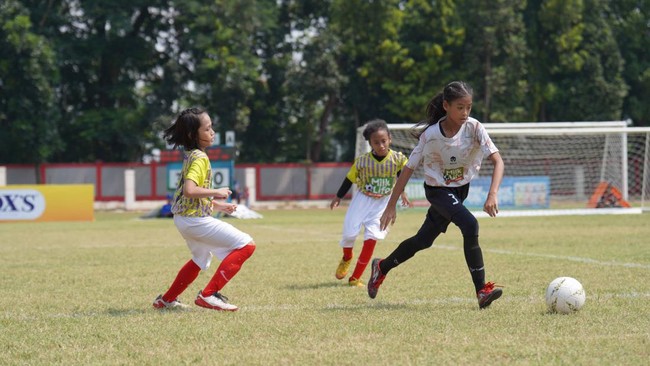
(224, 207)
(388, 217)
(405, 200)
(335, 203)
(491, 207)
(223, 193)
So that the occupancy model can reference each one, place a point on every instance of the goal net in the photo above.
(553, 168)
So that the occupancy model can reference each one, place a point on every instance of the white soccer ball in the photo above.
(565, 295)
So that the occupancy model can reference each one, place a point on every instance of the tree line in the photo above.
(82, 81)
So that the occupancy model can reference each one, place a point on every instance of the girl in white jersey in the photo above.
(374, 173)
(451, 148)
(193, 205)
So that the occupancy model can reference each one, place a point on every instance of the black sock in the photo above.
(474, 260)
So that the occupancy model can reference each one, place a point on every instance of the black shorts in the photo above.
(445, 203)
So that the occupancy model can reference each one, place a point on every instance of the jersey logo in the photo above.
(379, 186)
(453, 175)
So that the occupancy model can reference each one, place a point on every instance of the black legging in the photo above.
(434, 224)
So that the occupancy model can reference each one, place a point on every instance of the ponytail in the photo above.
(435, 110)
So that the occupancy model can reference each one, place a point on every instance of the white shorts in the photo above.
(208, 236)
(366, 211)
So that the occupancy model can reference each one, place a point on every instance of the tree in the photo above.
(219, 50)
(431, 37)
(314, 84)
(576, 64)
(494, 59)
(107, 57)
(369, 33)
(629, 22)
(27, 96)
(591, 88)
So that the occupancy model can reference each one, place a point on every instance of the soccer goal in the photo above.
(554, 168)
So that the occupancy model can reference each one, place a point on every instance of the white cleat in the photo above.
(216, 301)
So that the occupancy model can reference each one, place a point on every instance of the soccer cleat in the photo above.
(376, 278)
(343, 268)
(216, 301)
(353, 282)
(159, 303)
(488, 294)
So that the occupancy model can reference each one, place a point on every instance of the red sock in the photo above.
(347, 254)
(184, 278)
(364, 258)
(228, 269)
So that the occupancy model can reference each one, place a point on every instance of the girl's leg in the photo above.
(184, 278)
(347, 253)
(423, 239)
(345, 262)
(228, 269)
(364, 258)
(473, 255)
(351, 225)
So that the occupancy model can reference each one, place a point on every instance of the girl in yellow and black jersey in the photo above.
(374, 174)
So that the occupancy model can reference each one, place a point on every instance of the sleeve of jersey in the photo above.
(487, 146)
(415, 159)
(353, 173)
(198, 170)
(403, 161)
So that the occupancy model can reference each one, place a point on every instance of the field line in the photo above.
(554, 256)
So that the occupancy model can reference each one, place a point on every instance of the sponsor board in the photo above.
(530, 192)
(47, 202)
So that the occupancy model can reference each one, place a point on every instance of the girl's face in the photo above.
(458, 110)
(380, 142)
(206, 134)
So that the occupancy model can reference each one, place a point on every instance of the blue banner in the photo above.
(530, 192)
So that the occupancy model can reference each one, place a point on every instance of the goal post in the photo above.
(553, 168)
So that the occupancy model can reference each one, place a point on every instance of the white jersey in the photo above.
(452, 161)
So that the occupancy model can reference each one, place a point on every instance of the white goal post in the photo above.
(553, 168)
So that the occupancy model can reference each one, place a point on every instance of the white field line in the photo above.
(379, 303)
(553, 256)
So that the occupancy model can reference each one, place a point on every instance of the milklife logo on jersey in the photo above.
(453, 174)
(21, 204)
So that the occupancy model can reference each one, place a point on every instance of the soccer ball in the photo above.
(565, 295)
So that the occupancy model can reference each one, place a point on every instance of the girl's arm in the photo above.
(491, 206)
(389, 215)
(343, 190)
(191, 190)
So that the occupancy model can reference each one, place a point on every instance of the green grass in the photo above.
(81, 293)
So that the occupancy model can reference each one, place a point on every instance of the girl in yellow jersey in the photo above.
(375, 174)
(193, 205)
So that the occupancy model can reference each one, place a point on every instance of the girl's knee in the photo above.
(248, 249)
(467, 223)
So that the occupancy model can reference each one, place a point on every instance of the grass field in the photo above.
(81, 293)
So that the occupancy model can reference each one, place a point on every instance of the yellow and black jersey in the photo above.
(376, 178)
